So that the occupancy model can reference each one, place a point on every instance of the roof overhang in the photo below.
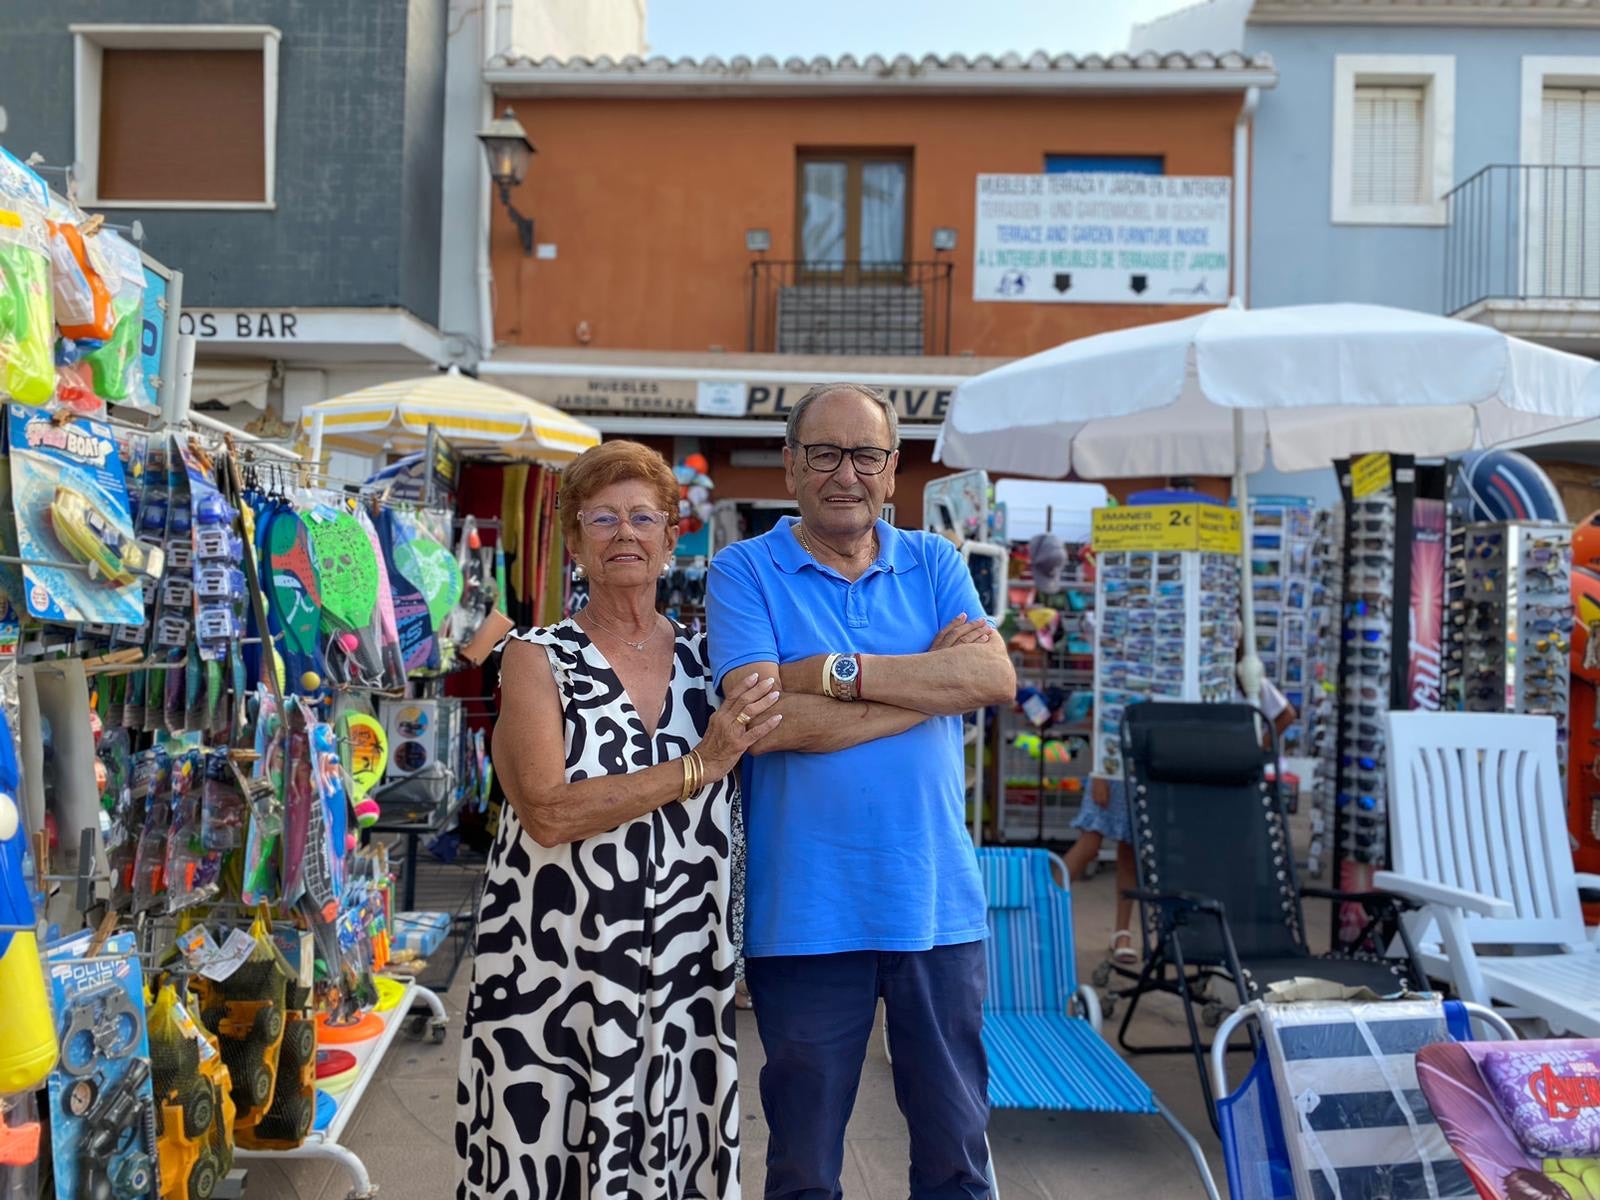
(874, 76)
(316, 335)
(1524, 13)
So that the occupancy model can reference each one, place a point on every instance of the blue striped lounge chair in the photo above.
(1040, 1029)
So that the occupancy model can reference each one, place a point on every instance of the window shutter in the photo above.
(1387, 145)
(1565, 245)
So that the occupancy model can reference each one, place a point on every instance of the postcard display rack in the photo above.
(1289, 564)
(1512, 631)
(1166, 610)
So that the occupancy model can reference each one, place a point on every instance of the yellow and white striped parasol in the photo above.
(483, 420)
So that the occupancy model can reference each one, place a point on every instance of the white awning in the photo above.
(231, 385)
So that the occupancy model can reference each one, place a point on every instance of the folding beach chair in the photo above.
(1040, 1029)
(1331, 1107)
(1217, 886)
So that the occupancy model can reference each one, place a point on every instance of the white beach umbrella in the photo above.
(1222, 392)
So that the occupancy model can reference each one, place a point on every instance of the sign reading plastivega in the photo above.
(1091, 238)
(760, 399)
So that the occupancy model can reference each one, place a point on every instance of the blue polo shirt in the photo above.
(866, 848)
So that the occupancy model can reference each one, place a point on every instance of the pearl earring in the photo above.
(578, 572)
(666, 568)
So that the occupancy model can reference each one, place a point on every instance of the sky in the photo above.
(699, 28)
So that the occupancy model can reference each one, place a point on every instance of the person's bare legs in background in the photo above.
(1105, 813)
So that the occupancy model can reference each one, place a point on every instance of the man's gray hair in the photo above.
(791, 433)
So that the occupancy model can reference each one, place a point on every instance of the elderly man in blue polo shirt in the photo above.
(861, 883)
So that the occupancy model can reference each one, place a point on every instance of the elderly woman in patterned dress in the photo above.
(599, 1055)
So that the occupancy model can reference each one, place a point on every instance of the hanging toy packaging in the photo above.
(102, 1111)
(115, 365)
(73, 527)
(27, 320)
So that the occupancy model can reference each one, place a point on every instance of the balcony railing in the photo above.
(1523, 232)
(857, 308)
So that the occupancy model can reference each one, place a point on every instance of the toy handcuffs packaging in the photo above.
(71, 506)
(102, 1108)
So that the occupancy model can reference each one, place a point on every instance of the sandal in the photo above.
(1123, 952)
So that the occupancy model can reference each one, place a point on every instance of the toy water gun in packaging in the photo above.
(116, 366)
(27, 316)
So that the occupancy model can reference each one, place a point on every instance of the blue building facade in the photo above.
(1429, 156)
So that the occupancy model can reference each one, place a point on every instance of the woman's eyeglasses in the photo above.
(604, 522)
(826, 457)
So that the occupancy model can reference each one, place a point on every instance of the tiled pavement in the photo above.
(404, 1132)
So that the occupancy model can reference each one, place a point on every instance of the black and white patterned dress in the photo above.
(599, 1052)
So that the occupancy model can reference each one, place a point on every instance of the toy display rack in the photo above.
(328, 1144)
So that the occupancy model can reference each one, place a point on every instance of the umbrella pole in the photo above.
(1250, 670)
(316, 441)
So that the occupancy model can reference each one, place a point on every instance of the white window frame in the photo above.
(1436, 74)
(89, 43)
(1546, 71)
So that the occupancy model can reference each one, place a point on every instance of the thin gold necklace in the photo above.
(805, 542)
(637, 646)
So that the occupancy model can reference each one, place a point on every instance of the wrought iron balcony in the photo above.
(856, 308)
(1524, 234)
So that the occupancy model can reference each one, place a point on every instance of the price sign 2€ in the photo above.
(1167, 527)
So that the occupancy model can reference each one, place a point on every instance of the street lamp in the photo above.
(508, 149)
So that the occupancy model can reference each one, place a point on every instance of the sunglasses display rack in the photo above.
(1516, 620)
(1361, 810)
(1165, 627)
(1452, 683)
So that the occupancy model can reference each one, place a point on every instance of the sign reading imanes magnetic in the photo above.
(1089, 238)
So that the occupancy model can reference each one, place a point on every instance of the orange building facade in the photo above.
(710, 239)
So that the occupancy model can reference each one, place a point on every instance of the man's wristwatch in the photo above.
(842, 676)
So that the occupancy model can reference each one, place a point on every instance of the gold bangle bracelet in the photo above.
(683, 792)
(699, 769)
(827, 675)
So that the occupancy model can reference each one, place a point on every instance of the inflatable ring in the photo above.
(363, 1029)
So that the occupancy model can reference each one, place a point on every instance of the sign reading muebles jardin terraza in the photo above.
(1100, 238)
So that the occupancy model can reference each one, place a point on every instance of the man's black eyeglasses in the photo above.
(826, 457)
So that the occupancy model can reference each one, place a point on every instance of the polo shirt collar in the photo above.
(894, 552)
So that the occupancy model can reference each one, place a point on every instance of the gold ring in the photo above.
(743, 718)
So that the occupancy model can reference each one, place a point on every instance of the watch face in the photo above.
(845, 669)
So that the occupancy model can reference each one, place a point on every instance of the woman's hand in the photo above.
(727, 736)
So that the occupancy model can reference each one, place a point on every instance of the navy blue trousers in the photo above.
(816, 1013)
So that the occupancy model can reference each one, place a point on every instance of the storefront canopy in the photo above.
(479, 419)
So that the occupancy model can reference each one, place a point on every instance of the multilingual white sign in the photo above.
(1088, 238)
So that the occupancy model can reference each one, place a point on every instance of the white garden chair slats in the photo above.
(1479, 838)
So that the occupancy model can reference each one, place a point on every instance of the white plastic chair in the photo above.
(1479, 837)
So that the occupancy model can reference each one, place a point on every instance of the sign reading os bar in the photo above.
(1166, 527)
(1092, 238)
